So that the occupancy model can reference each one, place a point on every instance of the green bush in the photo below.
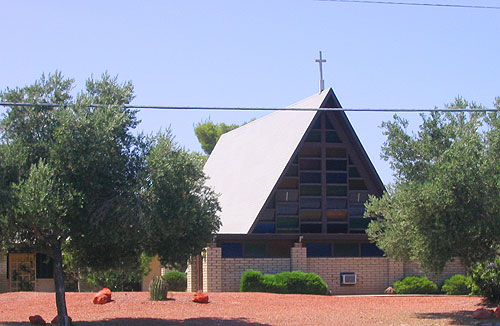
(288, 282)
(415, 285)
(126, 277)
(457, 285)
(485, 279)
(176, 281)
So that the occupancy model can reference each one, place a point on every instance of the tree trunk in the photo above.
(59, 284)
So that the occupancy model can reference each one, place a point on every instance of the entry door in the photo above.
(22, 272)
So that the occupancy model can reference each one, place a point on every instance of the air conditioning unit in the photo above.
(347, 278)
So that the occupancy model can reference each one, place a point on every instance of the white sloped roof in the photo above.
(247, 162)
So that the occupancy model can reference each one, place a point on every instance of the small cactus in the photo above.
(158, 289)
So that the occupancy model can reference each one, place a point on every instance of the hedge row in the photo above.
(288, 282)
(455, 285)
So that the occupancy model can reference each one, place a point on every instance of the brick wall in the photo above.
(374, 274)
(212, 270)
(451, 268)
(192, 276)
(232, 268)
(298, 256)
(371, 273)
(4, 281)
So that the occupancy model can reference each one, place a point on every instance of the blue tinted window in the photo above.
(337, 165)
(310, 202)
(336, 177)
(336, 203)
(310, 177)
(356, 210)
(264, 228)
(287, 209)
(232, 250)
(336, 228)
(319, 249)
(346, 250)
(310, 228)
(370, 250)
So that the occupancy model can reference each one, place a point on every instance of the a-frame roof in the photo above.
(247, 163)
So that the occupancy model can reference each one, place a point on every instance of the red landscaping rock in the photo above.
(497, 312)
(390, 290)
(200, 297)
(37, 320)
(483, 313)
(102, 297)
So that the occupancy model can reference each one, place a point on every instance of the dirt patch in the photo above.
(243, 309)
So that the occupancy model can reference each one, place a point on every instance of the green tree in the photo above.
(208, 134)
(179, 210)
(444, 202)
(74, 178)
(68, 173)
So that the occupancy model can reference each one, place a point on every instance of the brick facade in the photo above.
(374, 274)
(212, 270)
(4, 281)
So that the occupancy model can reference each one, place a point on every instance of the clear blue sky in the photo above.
(259, 53)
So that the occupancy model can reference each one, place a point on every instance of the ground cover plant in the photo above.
(415, 285)
(287, 282)
(177, 281)
(457, 285)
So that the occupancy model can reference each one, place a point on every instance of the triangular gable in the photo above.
(248, 164)
(326, 182)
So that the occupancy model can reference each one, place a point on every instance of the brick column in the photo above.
(192, 275)
(212, 269)
(298, 255)
(4, 281)
(395, 271)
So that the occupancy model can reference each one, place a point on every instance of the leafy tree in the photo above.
(208, 133)
(444, 202)
(75, 178)
(176, 202)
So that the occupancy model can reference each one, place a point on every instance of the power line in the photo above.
(427, 4)
(214, 108)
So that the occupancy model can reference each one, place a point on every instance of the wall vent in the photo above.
(348, 278)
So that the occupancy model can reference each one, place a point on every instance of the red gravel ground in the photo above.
(243, 309)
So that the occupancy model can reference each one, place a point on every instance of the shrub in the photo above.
(252, 281)
(176, 281)
(127, 276)
(288, 282)
(457, 285)
(485, 279)
(415, 285)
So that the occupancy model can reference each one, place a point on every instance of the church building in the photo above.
(292, 188)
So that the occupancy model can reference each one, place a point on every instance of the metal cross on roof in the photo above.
(321, 81)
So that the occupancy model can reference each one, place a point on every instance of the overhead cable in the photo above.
(214, 108)
(426, 4)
